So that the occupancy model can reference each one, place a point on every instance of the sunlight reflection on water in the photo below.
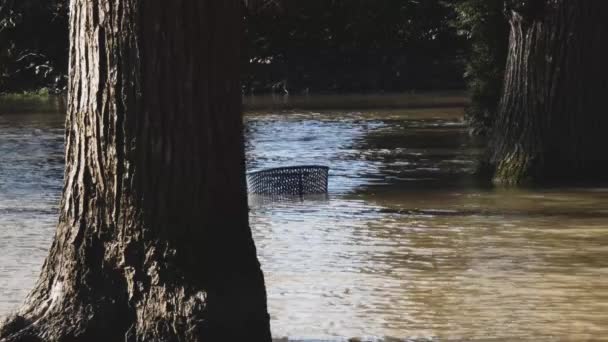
(407, 244)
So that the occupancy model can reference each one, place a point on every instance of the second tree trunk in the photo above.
(552, 123)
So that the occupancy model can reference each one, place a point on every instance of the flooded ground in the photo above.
(408, 245)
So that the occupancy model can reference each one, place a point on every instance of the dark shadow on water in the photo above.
(437, 99)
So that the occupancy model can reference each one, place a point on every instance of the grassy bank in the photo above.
(40, 101)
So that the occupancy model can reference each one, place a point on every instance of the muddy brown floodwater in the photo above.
(407, 245)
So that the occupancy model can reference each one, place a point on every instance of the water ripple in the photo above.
(406, 245)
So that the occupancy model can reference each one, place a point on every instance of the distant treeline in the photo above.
(301, 46)
(353, 45)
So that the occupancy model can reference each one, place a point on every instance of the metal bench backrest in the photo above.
(293, 180)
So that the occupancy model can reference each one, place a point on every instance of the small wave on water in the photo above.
(407, 245)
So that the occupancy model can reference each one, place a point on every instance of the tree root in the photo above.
(17, 328)
(164, 314)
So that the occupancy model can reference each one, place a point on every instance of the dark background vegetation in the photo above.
(353, 46)
(487, 32)
(33, 45)
(308, 46)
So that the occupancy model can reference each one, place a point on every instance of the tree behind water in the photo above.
(153, 242)
(551, 124)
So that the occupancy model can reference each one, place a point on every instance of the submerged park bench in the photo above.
(291, 180)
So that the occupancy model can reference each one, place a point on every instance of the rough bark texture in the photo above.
(552, 120)
(153, 242)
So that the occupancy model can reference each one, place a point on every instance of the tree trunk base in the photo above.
(170, 309)
(64, 322)
(158, 321)
(18, 329)
(515, 169)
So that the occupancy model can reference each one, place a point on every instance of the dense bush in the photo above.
(486, 27)
(353, 45)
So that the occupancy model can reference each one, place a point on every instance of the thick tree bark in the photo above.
(552, 119)
(153, 242)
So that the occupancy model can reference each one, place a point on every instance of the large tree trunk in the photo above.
(153, 242)
(552, 120)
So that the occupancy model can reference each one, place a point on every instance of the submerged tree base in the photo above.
(521, 169)
(515, 168)
(154, 301)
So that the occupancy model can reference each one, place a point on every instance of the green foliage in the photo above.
(353, 45)
(485, 25)
(297, 45)
(34, 41)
